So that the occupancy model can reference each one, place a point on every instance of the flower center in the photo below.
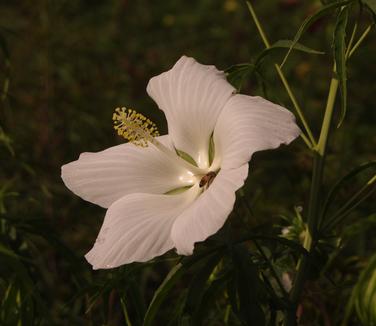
(141, 131)
(207, 179)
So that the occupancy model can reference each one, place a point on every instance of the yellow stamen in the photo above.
(134, 126)
(141, 131)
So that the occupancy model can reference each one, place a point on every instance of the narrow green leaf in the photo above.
(296, 247)
(251, 290)
(125, 312)
(363, 297)
(4, 47)
(135, 296)
(210, 295)
(297, 46)
(340, 183)
(161, 293)
(198, 282)
(6, 141)
(340, 57)
(237, 74)
(237, 67)
(360, 196)
(284, 44)
(172, 277)
(5, 89)
(8, 252)
(232, 294)
(310, 20)
(371, 4)
(199, 255)
(176, 315)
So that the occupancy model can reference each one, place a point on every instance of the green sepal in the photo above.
(211, 149)
(185, 156)
(177, 191)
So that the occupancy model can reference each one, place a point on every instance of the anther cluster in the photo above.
(134, 126)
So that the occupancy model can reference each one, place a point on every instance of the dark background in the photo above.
(65, 66)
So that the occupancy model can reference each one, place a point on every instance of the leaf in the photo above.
(8, 252)
(4, 47)
(363, 297)
(5, 51)
(6, 141)
(250, 289)
(125, 312)
(135, 296)
(371, 4)
(340, 57)
(231, 292)
(199, 255)
(310, 20)
(237, 74)
(161, 293)
(176, 272)
(358, 229)
(282, 44)
(177, 314)
(339, 184)
(195, 292)
(209, 298)
(360, 196)
(288, 243)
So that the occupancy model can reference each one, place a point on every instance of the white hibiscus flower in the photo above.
(145, 216)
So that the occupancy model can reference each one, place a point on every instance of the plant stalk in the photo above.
(310, 140)
(319, 153)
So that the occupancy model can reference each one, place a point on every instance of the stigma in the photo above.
(207, 179)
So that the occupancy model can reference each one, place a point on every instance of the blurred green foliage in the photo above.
(65, 65)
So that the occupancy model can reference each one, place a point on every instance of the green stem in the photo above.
(319, 152)
(314, 202)
(323, 140)
(310, 140)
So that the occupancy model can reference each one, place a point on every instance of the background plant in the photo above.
(66, 65)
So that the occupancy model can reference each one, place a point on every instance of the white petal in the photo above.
(209, 211)
(137, 227)
(106, 176)
(249, 124)
(191, 95)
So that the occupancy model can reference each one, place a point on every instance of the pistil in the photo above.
(141, 131)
